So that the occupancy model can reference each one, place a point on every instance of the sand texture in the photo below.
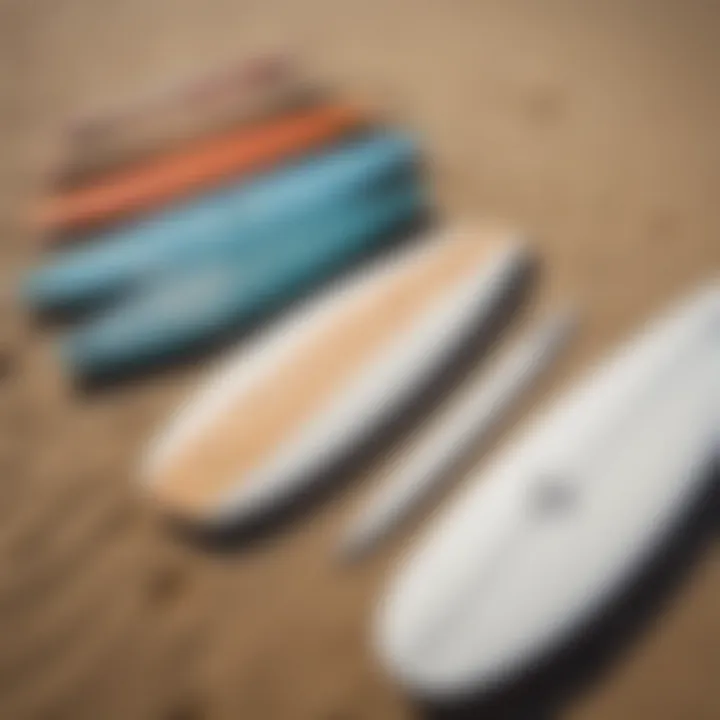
(594, 124)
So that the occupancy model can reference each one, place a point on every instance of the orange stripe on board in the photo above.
(204, 164)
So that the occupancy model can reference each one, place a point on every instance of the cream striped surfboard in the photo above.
(282, 410)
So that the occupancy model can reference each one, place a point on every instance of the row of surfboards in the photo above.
(542, 538)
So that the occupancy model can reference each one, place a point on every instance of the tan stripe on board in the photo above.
(248, 433)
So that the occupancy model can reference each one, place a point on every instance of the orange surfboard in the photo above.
(204, 164)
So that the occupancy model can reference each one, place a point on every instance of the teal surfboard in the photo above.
(187, 308)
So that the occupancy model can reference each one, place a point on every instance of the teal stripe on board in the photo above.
(239, 219)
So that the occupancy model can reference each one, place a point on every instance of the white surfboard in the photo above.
(282, 410)
(561, 520)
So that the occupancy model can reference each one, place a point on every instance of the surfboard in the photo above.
(254, 218)
(185, 309)
(201, 166)
(564, 518)
(279, 412)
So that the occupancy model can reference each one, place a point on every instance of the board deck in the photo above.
(269, 420)
(558, 524)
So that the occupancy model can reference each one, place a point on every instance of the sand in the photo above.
(593, 124)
